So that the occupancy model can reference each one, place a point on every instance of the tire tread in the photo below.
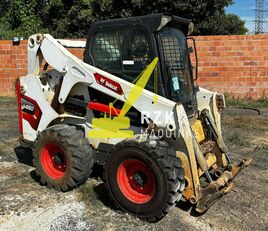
(79, 149)
(161, 152)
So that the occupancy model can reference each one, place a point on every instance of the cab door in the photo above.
(123, 51)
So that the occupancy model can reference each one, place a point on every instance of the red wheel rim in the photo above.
(136, 181)
(53, 160)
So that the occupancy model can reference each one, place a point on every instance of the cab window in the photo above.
(124, 52)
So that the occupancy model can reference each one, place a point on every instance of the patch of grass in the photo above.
(263, 150)
(247, 122)
(1, 152)
(236, 102)
(86, 191)
(7, 97)
(103, 209)
(23, 178)
(237, 138)
(3, 122)
(94, 193)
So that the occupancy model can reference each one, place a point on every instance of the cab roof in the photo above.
(152, 22)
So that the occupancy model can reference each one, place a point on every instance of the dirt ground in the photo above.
(25, 205)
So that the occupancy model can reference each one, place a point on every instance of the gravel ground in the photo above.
(25, 205)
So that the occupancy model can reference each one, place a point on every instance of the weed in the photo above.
(6, 97)
(263, 150)
(89, 193)
(237, 138)
(3, 122)
(246, 122)
(237, 102)
(1, 152)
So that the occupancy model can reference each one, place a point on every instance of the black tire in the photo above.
(166, 169)
(76, 157)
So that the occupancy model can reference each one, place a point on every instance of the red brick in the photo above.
(234, 64)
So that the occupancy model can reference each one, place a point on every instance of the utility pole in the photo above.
(259, 17)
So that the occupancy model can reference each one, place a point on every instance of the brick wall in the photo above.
(236, 65)
(13, 63)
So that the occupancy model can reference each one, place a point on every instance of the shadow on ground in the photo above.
(102, 195)
(24, 155)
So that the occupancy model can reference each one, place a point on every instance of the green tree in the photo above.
(19, 18)
(208, 16)
(72, 18)
(68, 18)
(54, 16)
(234, 25)
(80, 15)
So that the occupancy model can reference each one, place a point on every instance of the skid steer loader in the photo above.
(133, 106)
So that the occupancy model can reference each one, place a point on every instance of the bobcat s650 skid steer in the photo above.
(131, 105)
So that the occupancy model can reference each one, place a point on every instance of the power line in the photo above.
(259, 17)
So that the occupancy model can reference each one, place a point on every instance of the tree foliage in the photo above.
(72, 18)
(18, 17)
(233, 25)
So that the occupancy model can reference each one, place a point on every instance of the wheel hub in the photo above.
(58, 159)
(53, 160)
(136, 181)
(140, 178)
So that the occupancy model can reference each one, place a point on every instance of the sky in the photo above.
(245, 9)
